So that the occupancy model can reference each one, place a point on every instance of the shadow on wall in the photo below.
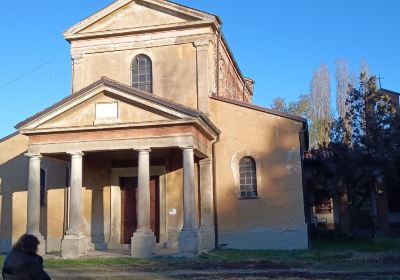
(96, 177)
(14, 174)
(14, 190)
(97, 220)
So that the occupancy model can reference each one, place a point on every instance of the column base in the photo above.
(73, 246)
(189, 243)
(207, 238)
(143, 244)
(42, 246)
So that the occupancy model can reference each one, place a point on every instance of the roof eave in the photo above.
(261, 109)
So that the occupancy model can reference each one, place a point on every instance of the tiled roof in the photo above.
(388, 91)
(259, 108)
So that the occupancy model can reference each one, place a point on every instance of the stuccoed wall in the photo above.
(14, 178)
(174, 70)
(14, 168)
(276, 219)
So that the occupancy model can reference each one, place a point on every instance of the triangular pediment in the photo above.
(127, 112)
(108, 103)
(130, 15)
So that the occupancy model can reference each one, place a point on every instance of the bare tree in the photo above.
(364, 68)
(279, 104)
(320, 107)
(342, 86)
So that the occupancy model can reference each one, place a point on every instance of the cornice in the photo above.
(141, 30)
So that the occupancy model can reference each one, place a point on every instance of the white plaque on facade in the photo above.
(172, 211)
(106, 110)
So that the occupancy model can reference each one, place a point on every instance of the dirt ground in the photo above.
(251, 271)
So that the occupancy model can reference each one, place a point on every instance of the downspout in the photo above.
(214, 170)
(304, 146)
(214, 161)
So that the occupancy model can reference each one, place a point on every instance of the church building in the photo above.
(158, 147)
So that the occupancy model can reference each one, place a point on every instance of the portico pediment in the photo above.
(119, 110)
(106, 104)
(125, 15)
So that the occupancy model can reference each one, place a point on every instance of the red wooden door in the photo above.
(128, 208)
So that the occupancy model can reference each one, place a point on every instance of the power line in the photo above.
(25, 74)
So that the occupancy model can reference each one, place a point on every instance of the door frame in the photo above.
(115, 207)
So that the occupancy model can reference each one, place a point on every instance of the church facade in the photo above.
(158, 146)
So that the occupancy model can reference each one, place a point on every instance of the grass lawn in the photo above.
(324, 252)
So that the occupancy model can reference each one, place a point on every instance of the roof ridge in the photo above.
(259, 108)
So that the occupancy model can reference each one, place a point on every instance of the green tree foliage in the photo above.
(357, 160)
(300, 108)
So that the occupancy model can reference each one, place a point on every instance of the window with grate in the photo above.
(324, 207)
(248, 178)
(142, 73)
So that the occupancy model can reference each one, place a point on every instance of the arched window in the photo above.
(248, 177)
(142, 77)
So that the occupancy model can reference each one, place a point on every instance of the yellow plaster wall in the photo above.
(14, 178)
(19, 214)
(174, 193)
(14, 169)
(96, 199)
(174, 70)
(55, 213)
(274, 143)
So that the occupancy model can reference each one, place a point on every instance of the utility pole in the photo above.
(379, 79)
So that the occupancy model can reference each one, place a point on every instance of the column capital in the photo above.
(143, 150)
(202, 45)
(77, 57)
(183, 148)
(78, 153)
(34, 155)
(205, 161)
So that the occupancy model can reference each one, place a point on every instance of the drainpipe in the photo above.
(304, 146)
(214, 162)
(214, 168)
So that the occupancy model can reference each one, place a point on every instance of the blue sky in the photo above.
(277, 43)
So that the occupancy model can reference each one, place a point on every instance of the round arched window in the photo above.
(248, 177)
(142, 77)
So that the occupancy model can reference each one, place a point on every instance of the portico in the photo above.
(136, 145)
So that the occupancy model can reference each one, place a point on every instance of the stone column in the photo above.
(143, 239)
(189, 236)
(33, 214)
(74, 243)
(203, 88)
(207, 230)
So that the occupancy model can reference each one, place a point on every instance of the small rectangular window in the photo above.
(106, 110)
